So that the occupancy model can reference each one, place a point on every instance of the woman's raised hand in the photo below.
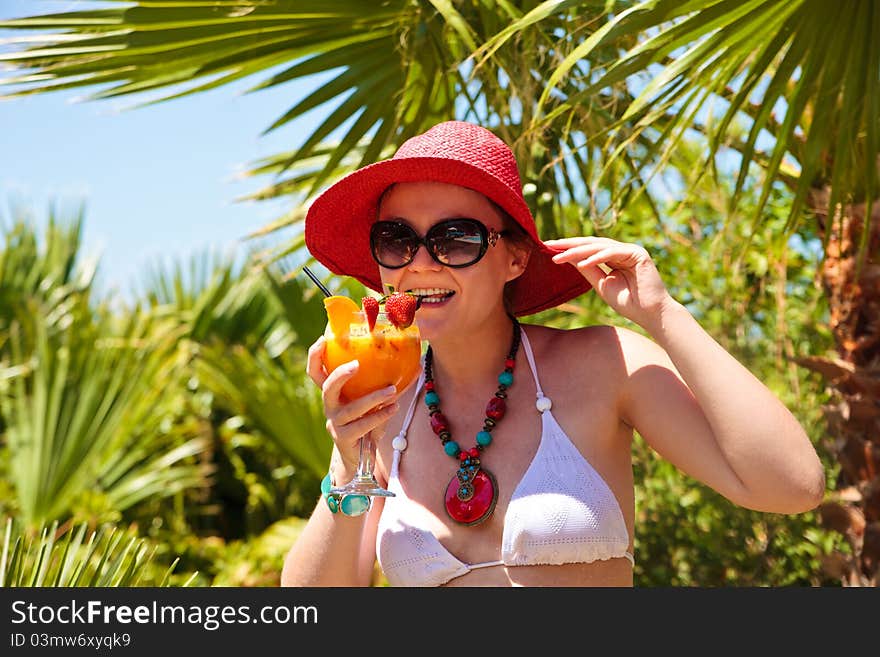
(633, 287)
(348, 421)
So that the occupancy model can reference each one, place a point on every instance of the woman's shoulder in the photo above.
(576, 355)
(584, 369)
(599, 340)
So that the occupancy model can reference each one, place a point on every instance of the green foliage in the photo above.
(755, 61)
(80, 393)
(265, 381)
(258, 562)
(246, 330)
(201, 398)
(74, 556)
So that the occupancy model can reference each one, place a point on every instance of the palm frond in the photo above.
(81, 411)
(194, 46)
(267, 384)
(66, 557)
(810, 61)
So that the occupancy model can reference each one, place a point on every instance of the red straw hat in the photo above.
(338, 221)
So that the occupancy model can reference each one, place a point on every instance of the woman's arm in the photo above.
(693, 402)
(333, 549)
(703, 411)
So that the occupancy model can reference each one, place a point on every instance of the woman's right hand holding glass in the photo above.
(349, 420)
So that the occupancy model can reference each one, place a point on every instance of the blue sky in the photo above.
(158, 183)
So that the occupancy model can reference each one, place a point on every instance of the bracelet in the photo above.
(349, 505)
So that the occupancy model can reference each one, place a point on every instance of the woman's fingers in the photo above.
(608, 252)
(331, 390)
(611, 256)
(347, 421)
(577, 242)
(346, 412)
(315, 363)
(347, 436)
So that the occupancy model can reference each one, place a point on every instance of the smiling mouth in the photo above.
(429, 295)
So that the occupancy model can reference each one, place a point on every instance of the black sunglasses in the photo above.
(453, 242)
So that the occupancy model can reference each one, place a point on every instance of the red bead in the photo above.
(496, 408)
(462, 455)
(474, 452)
(439, 423)
(509, 363)
(429, 385)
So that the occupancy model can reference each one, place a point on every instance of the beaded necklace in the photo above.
(472, 493)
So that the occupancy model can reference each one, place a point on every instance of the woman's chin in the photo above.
(431, 325)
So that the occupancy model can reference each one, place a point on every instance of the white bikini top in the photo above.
(562, 511)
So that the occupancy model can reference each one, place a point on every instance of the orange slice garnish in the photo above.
(341, 312)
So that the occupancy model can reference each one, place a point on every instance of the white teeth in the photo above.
(430, 292)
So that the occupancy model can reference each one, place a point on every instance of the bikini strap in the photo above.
(399, 442)
(542, 403)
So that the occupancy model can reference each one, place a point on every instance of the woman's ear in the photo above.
(519, 259)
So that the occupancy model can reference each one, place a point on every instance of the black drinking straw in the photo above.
(317, 282)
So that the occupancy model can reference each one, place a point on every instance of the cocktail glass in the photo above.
(387, 356)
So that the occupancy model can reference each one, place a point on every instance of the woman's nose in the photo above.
(422, 260)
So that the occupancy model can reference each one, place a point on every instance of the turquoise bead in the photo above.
(354, 505)
(332, 500)
(452, 448)
(431, 398)
(505, 378)
(484, 438)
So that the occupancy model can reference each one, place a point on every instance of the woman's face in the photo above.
(456, 299)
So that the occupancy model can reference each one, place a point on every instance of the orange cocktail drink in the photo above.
(387, 355)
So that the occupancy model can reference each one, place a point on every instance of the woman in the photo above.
(535, 489)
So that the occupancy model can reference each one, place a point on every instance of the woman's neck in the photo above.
(473, 357)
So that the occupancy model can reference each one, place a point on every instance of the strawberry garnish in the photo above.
(400, 307)
(370, 306)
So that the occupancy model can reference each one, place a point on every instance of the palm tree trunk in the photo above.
(853, 417)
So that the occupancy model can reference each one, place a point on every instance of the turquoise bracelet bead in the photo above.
(354, 505)
(506, 378)
(484, 438)
(350, 505)
(432, 398)
(332, 500)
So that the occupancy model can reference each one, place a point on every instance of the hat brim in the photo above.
(337, 227)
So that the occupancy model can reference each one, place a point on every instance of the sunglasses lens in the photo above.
(393, 243)
(457, 242)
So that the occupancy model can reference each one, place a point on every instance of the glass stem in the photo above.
(365, 458)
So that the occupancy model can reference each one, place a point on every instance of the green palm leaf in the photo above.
(266, 383)
(198, 45)
(81, 413)
(248, 331)
(812, 61)
(63, 557)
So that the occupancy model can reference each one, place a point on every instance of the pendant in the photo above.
(471, 495)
